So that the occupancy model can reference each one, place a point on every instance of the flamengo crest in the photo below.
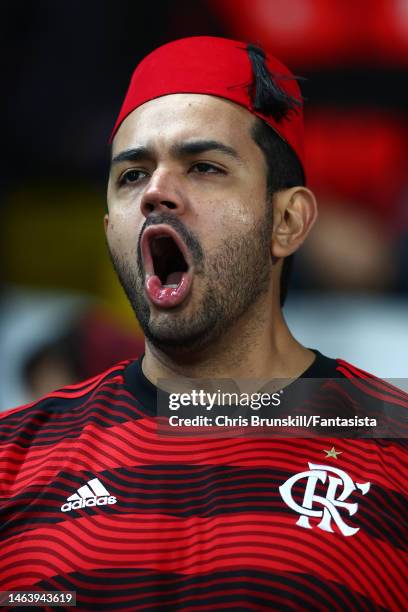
(329, 504)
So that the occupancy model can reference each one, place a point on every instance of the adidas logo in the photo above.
(91, 494)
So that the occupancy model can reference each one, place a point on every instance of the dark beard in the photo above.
(235, 275)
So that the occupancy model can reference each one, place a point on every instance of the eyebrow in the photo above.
(202, 146)
(182, 149)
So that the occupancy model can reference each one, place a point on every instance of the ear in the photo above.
(106, 222)
(294, 214)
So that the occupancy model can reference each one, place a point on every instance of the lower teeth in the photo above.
(171, 286)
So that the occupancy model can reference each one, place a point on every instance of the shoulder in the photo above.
(373, 397)
(37, 438)
(66, 399)
(371, 385)
(350, 391)
(355, 377)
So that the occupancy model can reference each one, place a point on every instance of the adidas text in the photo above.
(90, 501)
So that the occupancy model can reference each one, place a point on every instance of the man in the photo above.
(206, 203)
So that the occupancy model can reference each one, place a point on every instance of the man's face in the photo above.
(189, 226)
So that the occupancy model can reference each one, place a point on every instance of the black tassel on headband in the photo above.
(267, 97)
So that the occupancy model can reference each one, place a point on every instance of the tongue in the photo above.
(171, 294)
(174, 278)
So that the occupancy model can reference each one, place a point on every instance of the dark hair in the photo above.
(284, 169)
(265, 93)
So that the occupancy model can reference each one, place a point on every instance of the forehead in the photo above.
(182, 116)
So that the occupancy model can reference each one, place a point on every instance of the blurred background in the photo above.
(65, 69)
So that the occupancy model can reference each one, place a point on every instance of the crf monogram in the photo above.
(329, 504)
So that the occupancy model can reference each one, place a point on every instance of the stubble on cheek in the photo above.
(132, 280)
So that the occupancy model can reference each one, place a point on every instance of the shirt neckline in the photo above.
(146, 392)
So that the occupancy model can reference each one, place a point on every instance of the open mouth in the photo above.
(168, 261)
(167, 266)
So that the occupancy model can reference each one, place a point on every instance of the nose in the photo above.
(162, 194)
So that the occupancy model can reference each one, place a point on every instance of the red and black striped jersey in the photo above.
(94, 500)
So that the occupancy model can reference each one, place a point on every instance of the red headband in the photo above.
(213, 66)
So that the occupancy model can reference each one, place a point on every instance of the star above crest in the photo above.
(332, 453)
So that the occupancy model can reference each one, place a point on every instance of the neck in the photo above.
(260, 345)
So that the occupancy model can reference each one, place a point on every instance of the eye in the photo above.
(206, 168)
(130, 177)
